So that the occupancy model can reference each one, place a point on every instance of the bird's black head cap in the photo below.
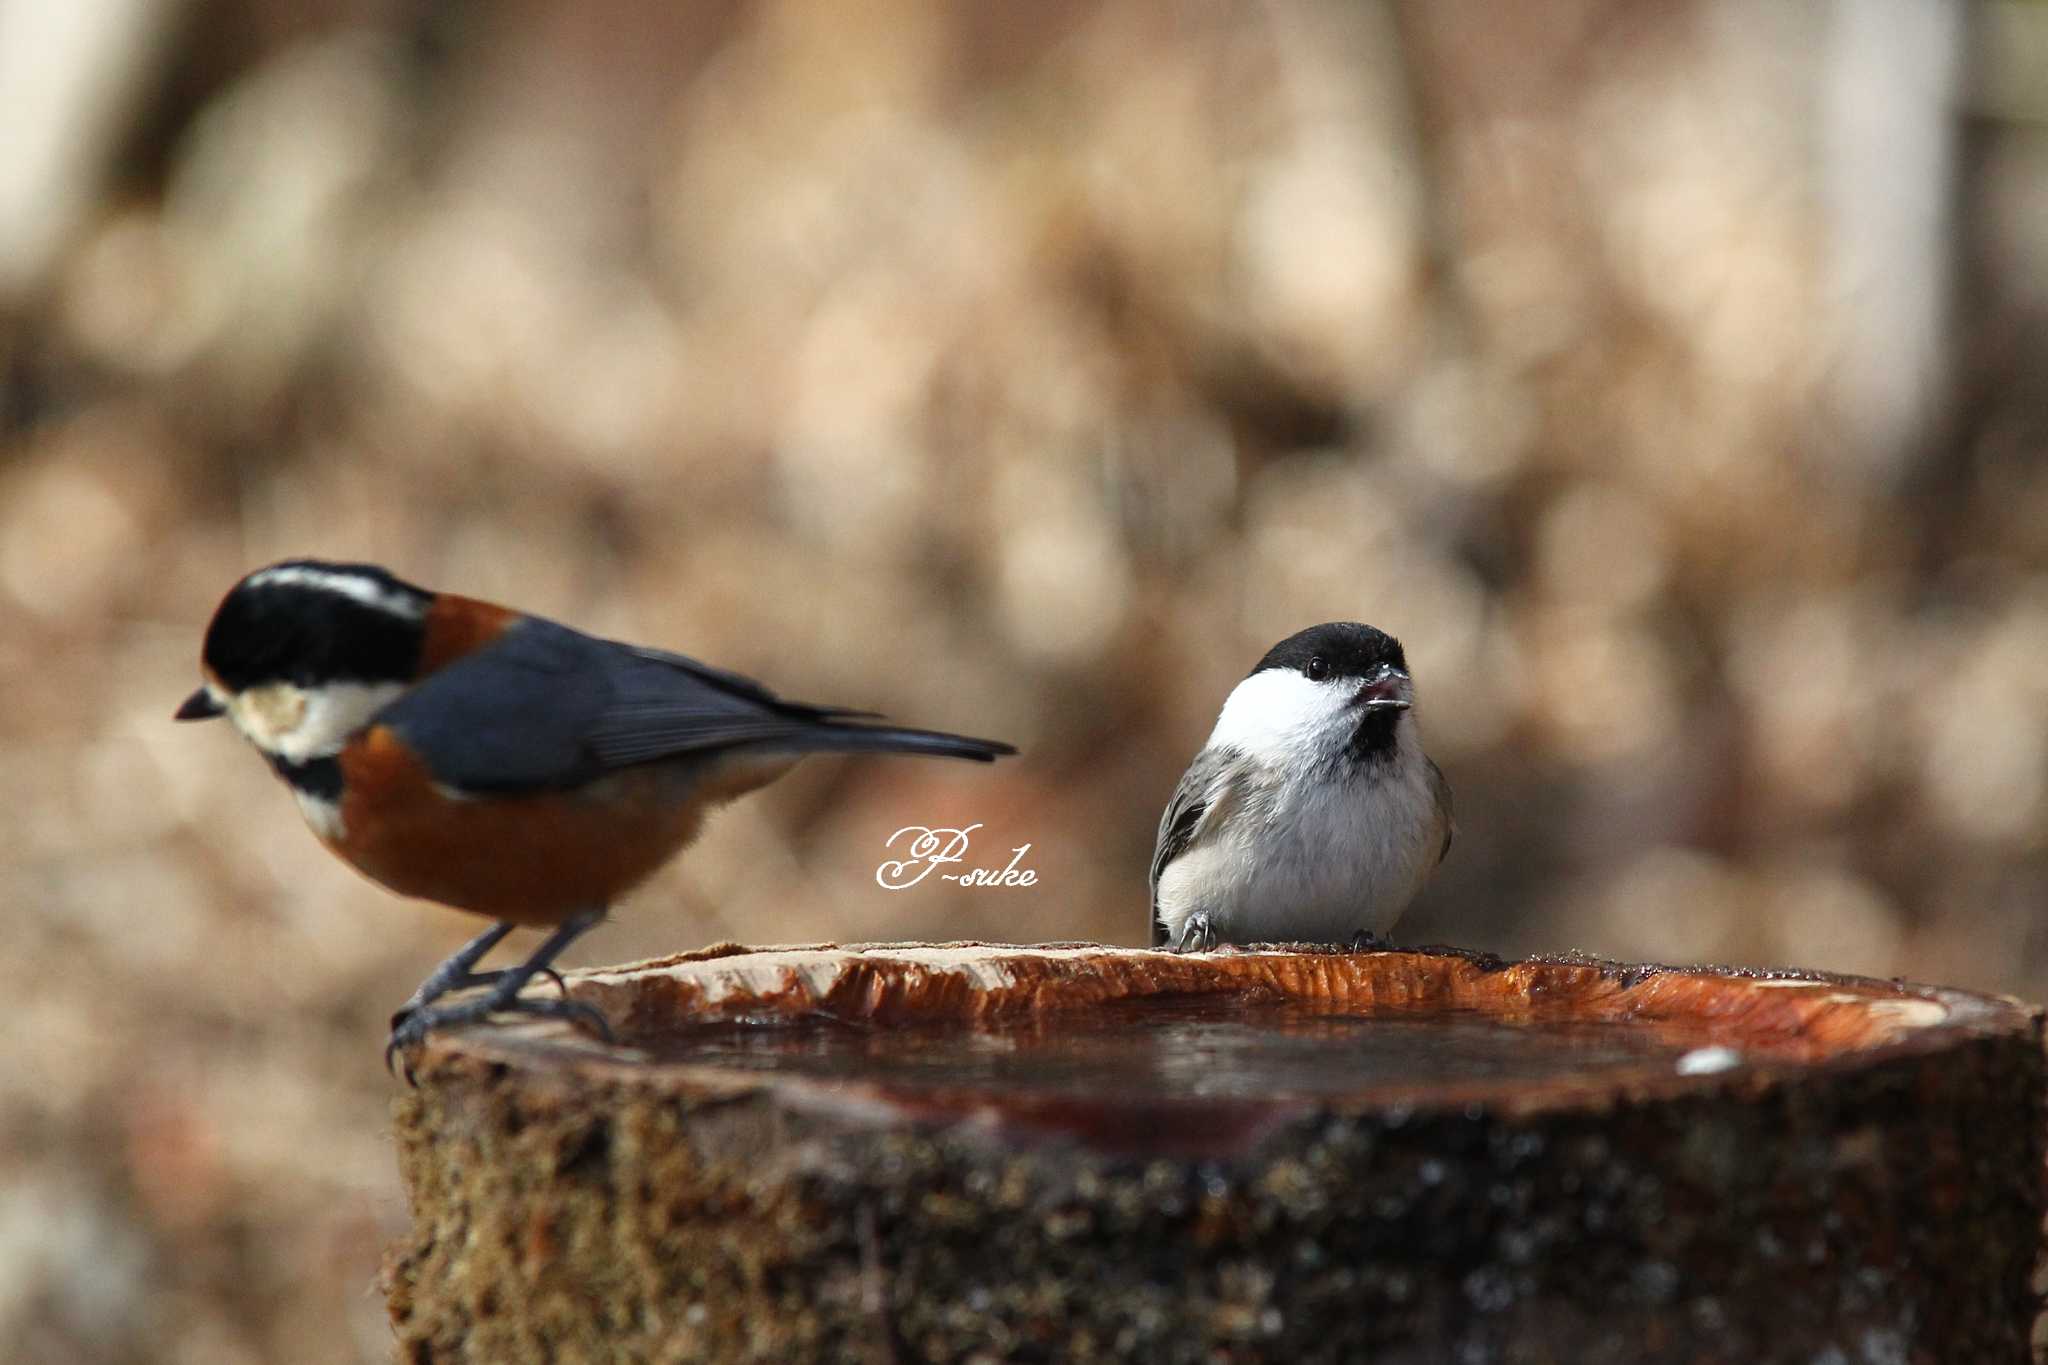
(309, 622)
(1336, 649)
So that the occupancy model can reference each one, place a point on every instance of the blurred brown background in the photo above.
(1671, 378)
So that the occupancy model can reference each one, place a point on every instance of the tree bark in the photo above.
(1801, 1168)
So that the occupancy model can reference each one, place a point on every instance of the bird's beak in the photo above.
(201, 705)
(1386, 688)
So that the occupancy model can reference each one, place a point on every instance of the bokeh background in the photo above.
(1672, 378)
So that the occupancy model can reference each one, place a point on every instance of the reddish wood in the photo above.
(1870, 1178)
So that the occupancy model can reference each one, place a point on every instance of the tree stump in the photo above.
(1073, 1152)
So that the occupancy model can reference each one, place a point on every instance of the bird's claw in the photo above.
(411, 1025)
(1197, 934)
(407, 1032)
(418, 1003)
(573, 1012)
(1366, 941)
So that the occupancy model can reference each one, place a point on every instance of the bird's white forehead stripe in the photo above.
(356, 587)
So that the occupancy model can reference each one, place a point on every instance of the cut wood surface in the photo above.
(1071, 1152)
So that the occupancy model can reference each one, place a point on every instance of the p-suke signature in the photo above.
(931, 849)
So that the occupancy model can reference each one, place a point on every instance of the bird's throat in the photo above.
(1376, 733)
(319, 778)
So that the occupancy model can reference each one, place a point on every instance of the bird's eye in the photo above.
(1318, 668)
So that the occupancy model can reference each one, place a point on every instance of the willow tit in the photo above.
(1312, 814)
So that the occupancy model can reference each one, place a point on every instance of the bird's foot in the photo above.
(1366, 941)
(416, 1018)
(1197, 934)
(410, 1027)
(421, 998)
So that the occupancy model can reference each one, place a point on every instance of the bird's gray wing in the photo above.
(667, 704)
(515, 715)
(1440, 788)
(1204, 789)
(737, 684)
(544, 707)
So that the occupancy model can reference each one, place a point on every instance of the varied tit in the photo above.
(1312, 814)
(497, 762)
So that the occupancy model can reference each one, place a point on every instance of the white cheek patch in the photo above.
(298, 724)
(1278, 710)
(267, 714)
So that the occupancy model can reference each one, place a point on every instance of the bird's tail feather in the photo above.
(891, 739)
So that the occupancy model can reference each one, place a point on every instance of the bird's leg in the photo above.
(454, 974)
(1197, 934)
(412, 1024)
(1366, 941)
(498, 974)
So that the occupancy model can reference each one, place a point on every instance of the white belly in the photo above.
(1317, 868)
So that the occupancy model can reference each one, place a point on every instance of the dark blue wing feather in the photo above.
(735, 683)
(515, 715)
(546, 707)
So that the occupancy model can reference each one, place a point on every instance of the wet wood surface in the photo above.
(900, 1152)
